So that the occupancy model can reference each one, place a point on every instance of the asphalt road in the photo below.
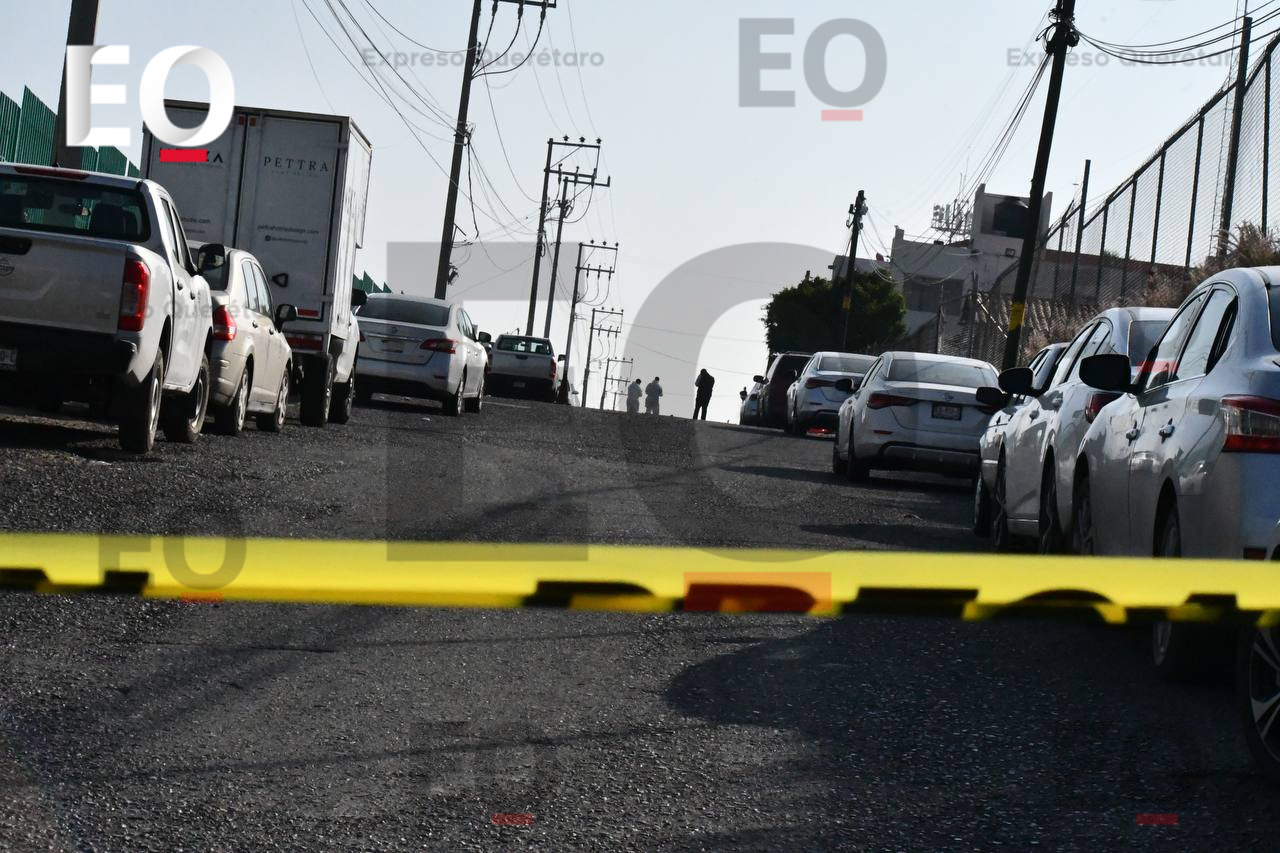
(131, 725)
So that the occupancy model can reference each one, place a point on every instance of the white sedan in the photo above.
(1186, 461)
(913, 411)
(813, 400)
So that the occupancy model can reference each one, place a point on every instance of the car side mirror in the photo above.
(759, 379)
(280, 279)
(560, 358)
(845, 386)
(484, 338)
(1109, 372)
(992, 398)
(1018, 382)
(285, 313)
(359, 299)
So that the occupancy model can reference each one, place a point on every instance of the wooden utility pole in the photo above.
(82, 28)
(591, 339)
(857, 210)
(579, 269)
(1064, 38)
(1233, 156)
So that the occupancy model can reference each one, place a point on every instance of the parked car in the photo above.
(783, 370)
(1185, 462)
(524, 366)
(101, 301)
(251, 362)
(749, 412)
(419, 347)
(1033, 481)
(813, 400)
(914, 411)
(991, 444)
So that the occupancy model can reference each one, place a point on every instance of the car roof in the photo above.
(404, 297)
(1136, 313)
(933, 356)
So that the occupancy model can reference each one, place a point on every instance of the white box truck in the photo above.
(290, 188)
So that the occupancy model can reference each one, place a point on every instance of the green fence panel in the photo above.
(34, 144)
(10, 114)
(112, 160)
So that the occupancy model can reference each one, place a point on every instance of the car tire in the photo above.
(1183, 652)
(344, 397)
(981, 509)
(855, 471)
(838, 465)
(1257, 674)
(317, 392)
(476, 405)
(183, 418)
(1051, 540)
(140, 410)
(453, 407)
(273, 421)
(1082, 534)
(229, 419)
(1001, 538)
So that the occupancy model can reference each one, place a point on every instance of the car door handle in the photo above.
(1033, 415)
(255, 324)
(1166, 431)
(1133, 434)
(180, 286)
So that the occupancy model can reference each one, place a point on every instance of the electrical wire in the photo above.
(407, 38)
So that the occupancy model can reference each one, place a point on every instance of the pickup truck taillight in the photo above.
(133, 295)
(1253, 424)
(224, 325)
(443, 345)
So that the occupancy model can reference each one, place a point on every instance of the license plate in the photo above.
(8, 359)
(946, 413)
(393, 346)
(517, 384)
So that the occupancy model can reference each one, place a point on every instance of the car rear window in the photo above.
(1143, 335)
(790, 362)
(846, 363)
(532, 346)
(406, 311)
(941, 373)
(65, 206)
(1274, 293)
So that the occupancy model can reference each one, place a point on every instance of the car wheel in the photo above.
(140, 410)
(273, 421)
(317, 392)
(981, 509)
(229, 420)
(477, 405)
(344, 397)
(1182, 651)
(1001, 539)
(184, 418)
(1082, 534)
(838, 465)
(453, 407)
(1051, 539)
(1258, 695)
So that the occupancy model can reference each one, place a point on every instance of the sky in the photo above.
(710, 200)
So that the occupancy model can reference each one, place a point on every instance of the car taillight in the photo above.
(1096, 403)
(818, 383)
(133, 295)
(552, 374)
(1253, 424)
(885, 401)
(444, 345)
(224, 325)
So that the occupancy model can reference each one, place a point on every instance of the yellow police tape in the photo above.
(640, 579)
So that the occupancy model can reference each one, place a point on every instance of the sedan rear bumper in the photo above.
(914, 457)
(434, 380)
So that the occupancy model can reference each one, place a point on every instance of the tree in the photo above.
(809, 317)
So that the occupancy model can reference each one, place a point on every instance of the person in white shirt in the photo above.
(634, 393)
(652, 394)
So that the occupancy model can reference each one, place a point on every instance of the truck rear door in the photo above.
(205, 194)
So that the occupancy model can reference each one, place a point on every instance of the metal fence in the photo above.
(1142, 242)
(26, 136)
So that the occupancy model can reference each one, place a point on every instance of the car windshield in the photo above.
(67, 206)
(406, 311)
(532, 346)
(1143, 335)
(957, 373)
(846, 363)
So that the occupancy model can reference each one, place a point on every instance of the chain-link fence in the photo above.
(1142, 243)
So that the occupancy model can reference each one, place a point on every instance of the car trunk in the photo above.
(401, 343)
(938, 408)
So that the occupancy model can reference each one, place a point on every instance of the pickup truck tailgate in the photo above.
(528, 365)
(61, 282)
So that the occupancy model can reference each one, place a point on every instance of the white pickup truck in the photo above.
(523, 366)
(100, 301)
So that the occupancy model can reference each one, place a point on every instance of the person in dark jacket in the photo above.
(705, 383)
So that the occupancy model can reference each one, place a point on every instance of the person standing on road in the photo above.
(652, 394)
(704, 383)
(634, 393)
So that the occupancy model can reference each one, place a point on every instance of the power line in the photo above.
(406, 37)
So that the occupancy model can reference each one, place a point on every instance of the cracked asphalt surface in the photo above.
(133, 725)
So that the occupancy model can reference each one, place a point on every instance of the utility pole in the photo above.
(857, 210)
(460, 134)
(555, 256)
(579, 269)
(1233, 158)
(550, 170)
(1063, 39)
(629, 362)
(81, 30)
(591, 339)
